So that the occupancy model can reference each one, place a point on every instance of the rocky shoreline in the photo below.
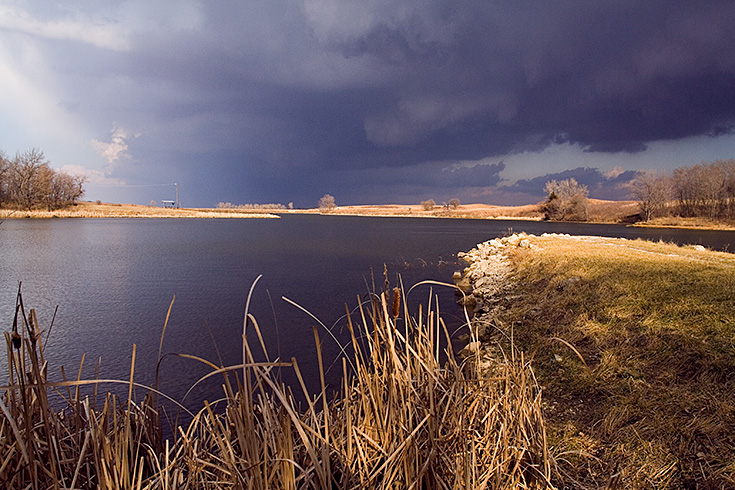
(486, 286)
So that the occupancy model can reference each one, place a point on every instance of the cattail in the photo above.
(396, 302)
(16, 340)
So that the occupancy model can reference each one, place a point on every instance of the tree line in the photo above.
(706, 190)
(27, 181)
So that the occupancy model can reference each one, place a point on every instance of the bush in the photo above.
(326, 203)
(567, 201)
(428, 205)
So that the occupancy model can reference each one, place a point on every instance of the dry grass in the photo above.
(634, 344)
(107, 210)
(612, 211)
(599, 211)
(679, 222)
(467, 211)
(400, 419)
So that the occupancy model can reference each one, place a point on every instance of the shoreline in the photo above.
(601, 212)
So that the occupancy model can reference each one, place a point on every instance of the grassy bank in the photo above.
(109, 210)
(399, 419)
(634, 345)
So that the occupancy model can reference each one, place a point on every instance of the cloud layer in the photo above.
(376, 100)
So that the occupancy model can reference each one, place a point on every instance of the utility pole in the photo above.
(177, 195)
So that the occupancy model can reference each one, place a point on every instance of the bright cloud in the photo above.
(116, 148)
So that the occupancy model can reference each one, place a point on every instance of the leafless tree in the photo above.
(4, 171)
(428, 205)
(706, 189)
(326, 203)
(653, 193)
(454, 203)
(567, 200)
(25, 177)
(28, 181)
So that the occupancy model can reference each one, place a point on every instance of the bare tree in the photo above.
(454, 203)
(702, 190)
(28, 181)
(24, 181)
(653, 193)
(428, 205)
(326, 203)
(4, 172)
(567, 200)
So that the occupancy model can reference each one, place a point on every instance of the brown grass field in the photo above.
(86, 209)
(601, 211)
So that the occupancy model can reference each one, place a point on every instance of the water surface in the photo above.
(113, 280)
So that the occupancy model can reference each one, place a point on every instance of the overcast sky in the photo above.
(372, 101)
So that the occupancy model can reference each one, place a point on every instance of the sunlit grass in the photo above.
(105, 210)
(654, 400)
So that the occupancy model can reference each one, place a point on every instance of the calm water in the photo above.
(114, 279)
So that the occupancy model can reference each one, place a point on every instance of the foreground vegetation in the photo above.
(633, 343)
(400, 419)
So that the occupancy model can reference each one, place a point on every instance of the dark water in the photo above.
(114, 280)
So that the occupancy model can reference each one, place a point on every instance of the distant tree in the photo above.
(65, 189)
(567, 200)
(27, 181)
(707, 189)
(326, 203)
(653, 193)
(454, 203)
(290, 205)
(4, 172)
(428, 205)
(153, 203)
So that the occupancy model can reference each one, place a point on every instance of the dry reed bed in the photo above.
(400, 419)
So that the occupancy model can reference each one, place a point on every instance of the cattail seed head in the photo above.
(396, 302)
(16, 340)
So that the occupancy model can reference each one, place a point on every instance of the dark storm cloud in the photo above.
(468, 79)
(357, 93)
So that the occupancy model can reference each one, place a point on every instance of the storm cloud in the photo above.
(369, 100)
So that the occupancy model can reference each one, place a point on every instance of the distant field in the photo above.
(606, 211)
(108, 210)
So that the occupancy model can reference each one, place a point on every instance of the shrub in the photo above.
(428, 205)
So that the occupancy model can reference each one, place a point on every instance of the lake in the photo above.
(113, 280)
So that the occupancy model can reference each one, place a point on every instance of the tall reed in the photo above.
(399, 419)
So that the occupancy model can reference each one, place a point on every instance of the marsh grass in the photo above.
(634, 345)
(399, 419)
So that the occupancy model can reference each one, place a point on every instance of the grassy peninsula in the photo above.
(633, 345)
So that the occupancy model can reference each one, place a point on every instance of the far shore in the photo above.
(600, 211)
